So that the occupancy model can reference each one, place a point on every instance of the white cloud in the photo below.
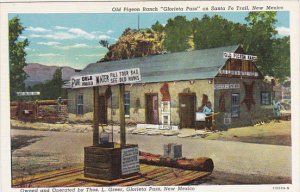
(38, 29)
(29, 49)
(55, 36)
(22, 37)
(48, 55)
(51, 43)
(78, 31)
(283, 31)
(60, 28)
(103, 37)
(75, 46)
(64, 33)
(110, 32)
(91, 55)
(97, 32)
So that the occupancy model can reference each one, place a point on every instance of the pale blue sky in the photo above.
(72, 39)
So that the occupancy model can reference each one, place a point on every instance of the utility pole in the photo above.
(138, 21)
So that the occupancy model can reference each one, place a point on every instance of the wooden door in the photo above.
(103, 109)
(152, 109)
(187, 109)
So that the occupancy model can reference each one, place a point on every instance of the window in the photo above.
(235, 105)
(127, 103)
(79, 104)
(265, 98)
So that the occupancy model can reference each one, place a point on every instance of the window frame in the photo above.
(269, 98)
(79, 105)
(237, 105)
(127, 103)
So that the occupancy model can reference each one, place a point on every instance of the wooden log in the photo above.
(199, 164)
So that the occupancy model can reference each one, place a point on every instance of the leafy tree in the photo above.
(104, 43)
(53, 88)
(157, 27)
(17, 59)
(135, 43)
(57, 83)
(178, 32)
(281, 58)
(210, 32)
(259, 39)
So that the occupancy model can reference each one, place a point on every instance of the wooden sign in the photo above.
(228, 55)
(28, 93)
(227, 86)
(200, 116)
(130, 162)
(109, 78)
(243, 73)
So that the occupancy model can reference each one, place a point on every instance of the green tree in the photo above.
(53, 88)
(17, 56)
(281, 58)
(259, 40)
(56, 83)
(104, 43)
(210, 32)
(178, 32)
(157, 27)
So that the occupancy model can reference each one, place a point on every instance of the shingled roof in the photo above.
(198, 64)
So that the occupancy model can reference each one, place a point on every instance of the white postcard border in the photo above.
(105, 7)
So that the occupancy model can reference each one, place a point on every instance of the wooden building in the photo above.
(175, 86)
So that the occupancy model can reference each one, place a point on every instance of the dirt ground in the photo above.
(37, 151)
(273, 133)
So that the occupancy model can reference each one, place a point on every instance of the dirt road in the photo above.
(235, 162)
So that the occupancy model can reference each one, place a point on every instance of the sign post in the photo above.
(122, 115)
(96, 116)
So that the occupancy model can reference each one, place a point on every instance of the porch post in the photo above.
(96, 117)
(122, 115)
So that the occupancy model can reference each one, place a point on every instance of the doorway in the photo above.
(187, 109)
(103, 109)
(151, 108)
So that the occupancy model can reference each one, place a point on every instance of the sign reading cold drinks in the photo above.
(109, 78)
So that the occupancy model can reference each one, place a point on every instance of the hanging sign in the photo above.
(227, 86)
(28, 93)
(109, 78)
(130, 162)
(244, 73)
(228, 55)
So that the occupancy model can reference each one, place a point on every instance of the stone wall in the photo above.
(257, 112)
(137, 92)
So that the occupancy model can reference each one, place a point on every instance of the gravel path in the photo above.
(235, 162)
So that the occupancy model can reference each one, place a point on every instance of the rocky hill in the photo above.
(38, 73)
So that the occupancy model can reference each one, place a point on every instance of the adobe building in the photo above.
(175, 86)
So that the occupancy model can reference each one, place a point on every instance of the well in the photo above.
(110, 162)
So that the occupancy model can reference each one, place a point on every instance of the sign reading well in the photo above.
(109, 78)
(130, 162)
(228, 55)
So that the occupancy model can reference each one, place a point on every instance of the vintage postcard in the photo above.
(149, 96)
